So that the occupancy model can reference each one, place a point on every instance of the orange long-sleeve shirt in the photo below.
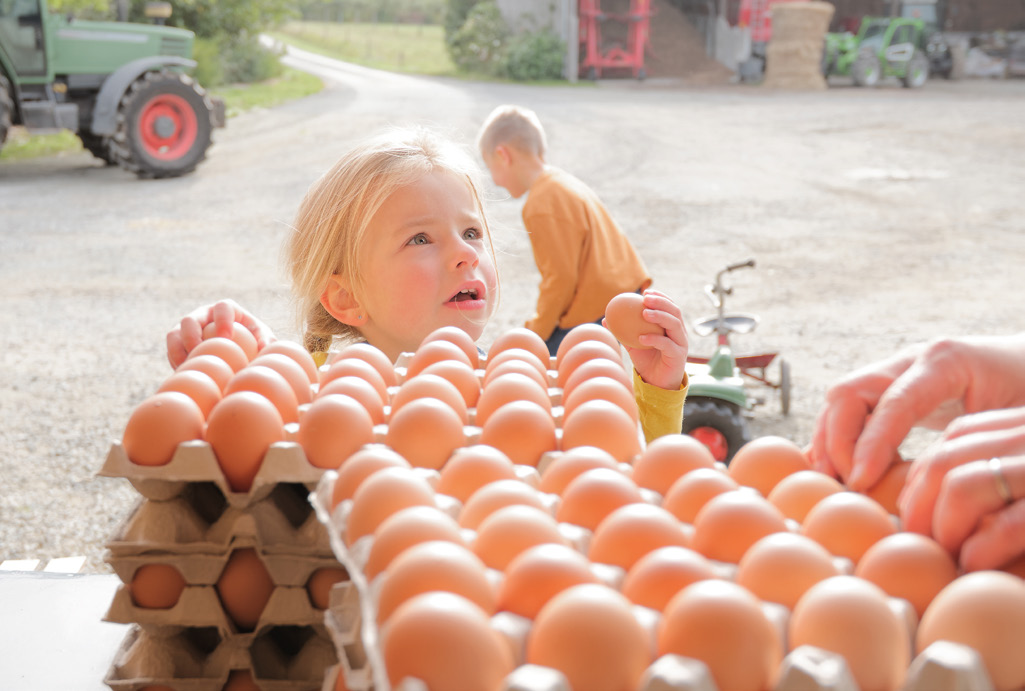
(584, 258)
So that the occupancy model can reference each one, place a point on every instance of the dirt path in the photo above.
(877, 218)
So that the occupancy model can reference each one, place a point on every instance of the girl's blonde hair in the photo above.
(330, 227)
(514, 126)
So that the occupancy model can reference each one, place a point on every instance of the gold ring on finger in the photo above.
(1003, 488)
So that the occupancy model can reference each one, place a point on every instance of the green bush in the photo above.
(479, 45)
(234, 60)
(535, 56)
(207, 54)
(456, 12)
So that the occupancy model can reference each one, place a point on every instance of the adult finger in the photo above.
(967, 494)
(999, 540)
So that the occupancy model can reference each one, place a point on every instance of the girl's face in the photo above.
(426, 265)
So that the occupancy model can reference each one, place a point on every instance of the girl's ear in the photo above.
(340, 303)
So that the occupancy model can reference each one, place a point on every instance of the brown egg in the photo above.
(568, 464)
(984, 610)
(667, 459)
(359, 389)
(244, 588)
(211, 365)
(847, 524)
(516, 355)
(494, 496)
(722, 624)
(660, 574)
(291, 370)
(425, 432)
(686, 497)
(851, 617)
(539, 573)
(372, 355)
(781, 567)
(271, 385)
(156, 586)
(523, 338)
(593, 495)
(198, 386)
(581, 353)
(240, 680)
(510, 530)
(361, 465)
(431, 386)
(507, 389)
(605, 425)
(729, 523)
(435, 351)
(447, 642)
(632, 531)
(240, 429)
(297, 353)
(887, 490)
(405, 528)
(910, 566)
(239, 334)
(518, 366)
(522, 430)
(606, 389)
(224, 348)
(382, 494)
(158, 425)
(455, 335)
(462, 376)
(434, 565)
(333, 428)
(763, 462)
(320, 582)
(624, 317)
(581, 333)
(472, 467)
(597, 367)
(795, 494)
(590, 634)
(357, 368)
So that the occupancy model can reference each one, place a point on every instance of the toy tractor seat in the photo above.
(738, 323)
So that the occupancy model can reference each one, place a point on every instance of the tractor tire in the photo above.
(866, 69)
(917, 71)
(717, 424)
(163, 126)
(6, 109)
(98, 146)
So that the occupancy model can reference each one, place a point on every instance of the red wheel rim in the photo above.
(713, 439)
(168, 127)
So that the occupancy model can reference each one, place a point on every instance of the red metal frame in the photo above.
(595, 58)
(752, 366)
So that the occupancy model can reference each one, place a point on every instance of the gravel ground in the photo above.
(877, 217)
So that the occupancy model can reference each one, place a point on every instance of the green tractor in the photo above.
(883, 47)
(121, 87)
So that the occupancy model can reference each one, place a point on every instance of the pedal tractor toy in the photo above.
(718, 400)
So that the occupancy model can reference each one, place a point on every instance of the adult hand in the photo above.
(946, 492)
(664, 363)
(223, 314)
(869, 413)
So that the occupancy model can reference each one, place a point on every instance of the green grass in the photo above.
(238, 98)
(409, 48)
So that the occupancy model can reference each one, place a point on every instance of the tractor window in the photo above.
(901, 35)
(873, 36)
(21, 35)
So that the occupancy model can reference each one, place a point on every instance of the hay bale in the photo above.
(793, 58)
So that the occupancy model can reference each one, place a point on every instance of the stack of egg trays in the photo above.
(188, 517)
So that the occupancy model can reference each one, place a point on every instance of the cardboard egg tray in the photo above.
(280, 658)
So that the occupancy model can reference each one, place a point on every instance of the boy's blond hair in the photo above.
(330, 227)
(513, 126)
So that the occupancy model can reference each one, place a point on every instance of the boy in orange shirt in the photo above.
(583, 256)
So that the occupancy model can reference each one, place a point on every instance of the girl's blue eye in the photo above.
(473, 234)
(419, 239)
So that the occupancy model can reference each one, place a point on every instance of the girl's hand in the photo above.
(664, 363)
(189, 333)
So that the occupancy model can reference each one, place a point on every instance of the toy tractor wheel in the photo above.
(917, 72)
(6, 109)
(866, 69)
(163, 126)
(716, 424)
(784, 386)
(98, 146)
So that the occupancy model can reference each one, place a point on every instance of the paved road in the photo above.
(877, 218)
